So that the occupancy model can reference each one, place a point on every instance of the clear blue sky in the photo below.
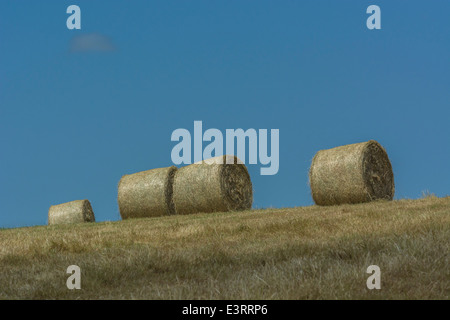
(72, 123)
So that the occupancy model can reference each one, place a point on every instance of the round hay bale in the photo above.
(217, 184)
(146, 194)
(71, 212)
(353, 173)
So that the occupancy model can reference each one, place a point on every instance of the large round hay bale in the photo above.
(71, 212)
(353, 173)
(146, 194)
(217, 184)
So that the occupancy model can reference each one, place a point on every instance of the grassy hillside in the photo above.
(294, 253)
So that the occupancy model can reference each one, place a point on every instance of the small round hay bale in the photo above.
(146, 194)
(353, 173)
(217, 184)
(71, 212)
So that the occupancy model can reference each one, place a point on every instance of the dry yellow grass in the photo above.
(295, 253)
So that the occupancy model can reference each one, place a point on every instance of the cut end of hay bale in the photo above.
(147, 193)
(354, 173)
(378, 174)
(236, 185)
(212, 185)
(71, 212)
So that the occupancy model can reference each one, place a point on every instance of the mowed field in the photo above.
(293, 253)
